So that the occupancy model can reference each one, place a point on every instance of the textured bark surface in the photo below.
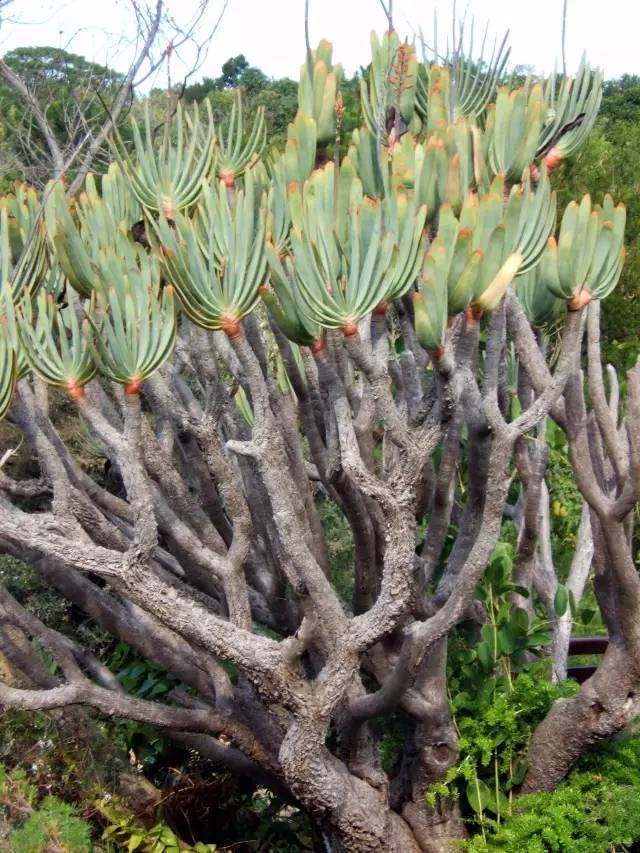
(212, 528)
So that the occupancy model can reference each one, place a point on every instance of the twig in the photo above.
(387, 8)
(564, 37)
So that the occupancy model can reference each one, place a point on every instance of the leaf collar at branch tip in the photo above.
(75, 390)
(230, 325)
(132, 388)
(318, 345)
(579, 300)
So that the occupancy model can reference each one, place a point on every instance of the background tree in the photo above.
(75, 93)
(88, 101)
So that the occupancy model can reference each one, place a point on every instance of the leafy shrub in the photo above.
(132, 834)
(56, 823)
(497, 697)
(597, 809)
(39, 827)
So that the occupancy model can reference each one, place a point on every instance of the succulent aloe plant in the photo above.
(587, 260)
(476, 256)
(133, 317)
(528, 221)
(572, 109)
(345, 257)
(235, 153)
(166, 176)
(57, 345)
(317, 90)
(215, 539)
(78, 234)
(216, 260)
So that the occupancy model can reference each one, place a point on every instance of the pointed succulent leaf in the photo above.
(8, 372)
(300, 148)
(317, 90)
(535, 291)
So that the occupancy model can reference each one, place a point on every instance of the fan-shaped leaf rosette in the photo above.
(57, 345)
(133, 318)
(590, 252)
(167, 177)
(528, 221)
(236, 154)
(572, 110)
(345, 257)
(78, 232)
(216, 261)
(463, 81)
(512, 130)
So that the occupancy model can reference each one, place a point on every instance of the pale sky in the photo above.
(270, 32)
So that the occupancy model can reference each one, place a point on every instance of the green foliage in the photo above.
(279, 98)
(497, 696)
(22, 582)
(394, 729)
(132, 834)
(63, 82)
(144, 744)
(565, 502)
(54, 822)
(340, 547)
(596, 809)
(39, 827)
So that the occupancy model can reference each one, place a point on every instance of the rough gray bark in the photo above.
(216, 531)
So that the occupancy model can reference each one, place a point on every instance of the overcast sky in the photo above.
(270, 32)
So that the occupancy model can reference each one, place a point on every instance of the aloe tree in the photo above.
(385, 335)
